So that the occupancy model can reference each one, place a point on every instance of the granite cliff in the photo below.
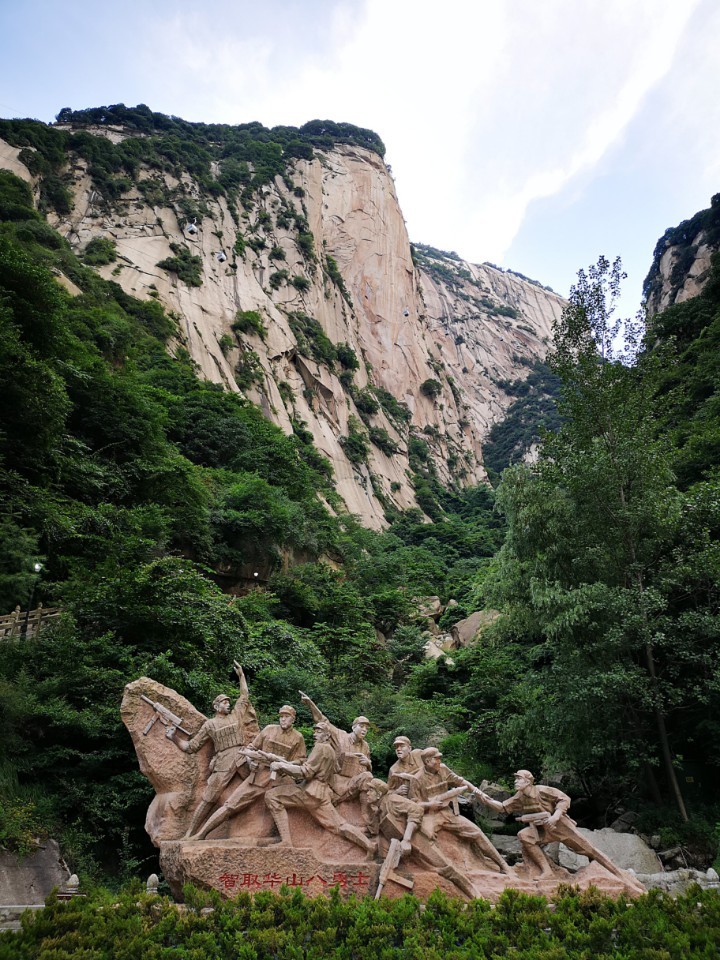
(681, 261)
(308, 297)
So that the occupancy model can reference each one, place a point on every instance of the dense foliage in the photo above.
(608, 577)
(247, 155)
(532, 413)
(289, 926)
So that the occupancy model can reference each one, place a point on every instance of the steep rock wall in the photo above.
(681, 261)
(435, 337)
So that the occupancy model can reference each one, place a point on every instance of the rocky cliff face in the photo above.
(318, 258)
(681, 262)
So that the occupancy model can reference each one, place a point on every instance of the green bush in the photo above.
(300, 283)
(186, 265)
(249, 321)
(248, 370)
(276, 253)
(397, 411)
(347, 357)
(365, 402)
(278, 278)
(306, 244)
(355, 445)
(312, 340)
(333, 272)
(288, 925)
(100, 251)
(431, 388)
(382, 439)
(226, 343)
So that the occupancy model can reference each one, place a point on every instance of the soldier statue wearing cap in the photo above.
(433, 789)
(544, 810)
(408, 763)
(276, 741)
(314, 795)
(229, 730)
(352, 760)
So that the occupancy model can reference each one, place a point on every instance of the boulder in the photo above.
(624, 822)
(28, 880)
(626, 850)
(465, 631)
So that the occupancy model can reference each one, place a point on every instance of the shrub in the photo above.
(347, 356)
(277, 253)
(278, 278)
(396, 410)
(226, 343)
(355, 445)
(383, 441)
(333, 272)
(311, 339)
(186, 265)
(99, 251)
(431, 388)
(418, 450)
(300, 283)
(365, 402)
(306, 244)
(248, 370)
(249, 321)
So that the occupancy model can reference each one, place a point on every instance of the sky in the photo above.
(534, 135)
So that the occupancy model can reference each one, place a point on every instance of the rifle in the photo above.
(445, 798)
(165, 716)
(387, 871)
(538, 819)
(263, 757)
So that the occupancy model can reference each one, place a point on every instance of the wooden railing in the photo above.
(24, 623)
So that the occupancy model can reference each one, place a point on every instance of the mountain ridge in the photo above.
(314, 247)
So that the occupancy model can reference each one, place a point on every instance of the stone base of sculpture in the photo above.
(244, 853)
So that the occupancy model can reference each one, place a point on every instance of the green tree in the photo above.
(594, 528)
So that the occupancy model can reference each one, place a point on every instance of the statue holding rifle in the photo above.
(433, 789)
(353, 767)
(277, 741)
(544, 810)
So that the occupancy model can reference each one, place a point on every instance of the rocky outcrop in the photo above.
(324, 252)
(681, 262)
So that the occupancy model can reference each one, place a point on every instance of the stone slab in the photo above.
(28, 880)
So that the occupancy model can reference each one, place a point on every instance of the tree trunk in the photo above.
(662, 733)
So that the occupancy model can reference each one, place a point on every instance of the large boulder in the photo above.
(627, 850)
(28, 880)
(465, 632)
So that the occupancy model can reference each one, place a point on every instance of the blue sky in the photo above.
(533, 135)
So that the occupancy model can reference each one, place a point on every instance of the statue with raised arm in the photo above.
(545, 811)
(276, 741)
(433, 789)
(314, 795)
(353, 767)
(229, 730)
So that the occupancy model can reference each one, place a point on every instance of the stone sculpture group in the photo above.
(240, 808)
